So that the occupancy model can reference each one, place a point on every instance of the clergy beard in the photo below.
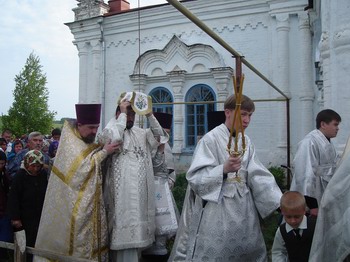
(89, 139)
(129, 124)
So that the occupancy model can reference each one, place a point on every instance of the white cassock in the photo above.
(219, 221)
(129, 184)
(314, 165)
(166, 213)
(331, 240)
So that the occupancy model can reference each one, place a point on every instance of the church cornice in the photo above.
(86, 29)
(163, 37)
(152, 21)
(289, 7)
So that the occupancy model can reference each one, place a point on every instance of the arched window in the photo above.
(163, 95)
(196, 114)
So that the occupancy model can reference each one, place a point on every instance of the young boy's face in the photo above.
(294, 216)
(3, 146)
(246, 117)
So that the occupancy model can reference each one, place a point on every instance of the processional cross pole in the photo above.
(212, 34)
(237, 125)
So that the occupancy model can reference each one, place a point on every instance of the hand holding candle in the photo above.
(232, 164)
(237, 125)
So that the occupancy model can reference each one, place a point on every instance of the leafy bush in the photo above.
(268, 227)
(179, 190)
(280, 176)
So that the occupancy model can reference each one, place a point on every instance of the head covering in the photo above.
(164, 119)
(15, 143)
(215, 118)
(53, 147)
(46, 144)
(33, 157)
(12, 154)
(88, 114)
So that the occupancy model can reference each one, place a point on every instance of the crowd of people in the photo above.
(107, 196)
(24, 167)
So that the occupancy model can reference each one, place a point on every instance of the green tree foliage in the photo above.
(179, 190)
(29, 111)
(280, 176)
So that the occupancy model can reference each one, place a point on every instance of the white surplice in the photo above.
(220, 221)
(331, 240)
(314, 165)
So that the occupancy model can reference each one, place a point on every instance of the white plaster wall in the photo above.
(251, 28)
(335, 57)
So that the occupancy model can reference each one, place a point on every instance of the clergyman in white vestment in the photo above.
(219, 220)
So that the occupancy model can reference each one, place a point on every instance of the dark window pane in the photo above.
(200, 120)
(197, 114)
(190, 130)
(200, 130)
(162, 95)
(200, 109)
(190, 120)
(190, 141)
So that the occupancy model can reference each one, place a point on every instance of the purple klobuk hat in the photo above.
(215, 118)
(164, 119)
(88, 114)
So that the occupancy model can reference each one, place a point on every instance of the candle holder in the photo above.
(237, 125)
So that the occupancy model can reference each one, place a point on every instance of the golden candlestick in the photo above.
(237, 125)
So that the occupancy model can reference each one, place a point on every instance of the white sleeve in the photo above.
(279, 251)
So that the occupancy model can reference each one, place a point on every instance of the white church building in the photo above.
(301, 46)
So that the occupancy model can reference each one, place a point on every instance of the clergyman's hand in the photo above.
(16, 223)
(149, 114)
(124, 104)
(314, 212)
(232, 164)
(113, 147)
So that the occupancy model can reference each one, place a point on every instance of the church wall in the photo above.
(268, 33)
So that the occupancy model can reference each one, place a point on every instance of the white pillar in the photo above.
(177, 80)
(325, 52)
(306, 72)
(83, 51)
(94, 84)
(338, 92)
(282, 80)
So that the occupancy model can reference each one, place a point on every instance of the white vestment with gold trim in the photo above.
(73, 220)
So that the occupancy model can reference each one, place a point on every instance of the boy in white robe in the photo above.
(316, 159)
(219, 220)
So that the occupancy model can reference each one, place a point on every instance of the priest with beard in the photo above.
(73, 221)
(129, 179)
